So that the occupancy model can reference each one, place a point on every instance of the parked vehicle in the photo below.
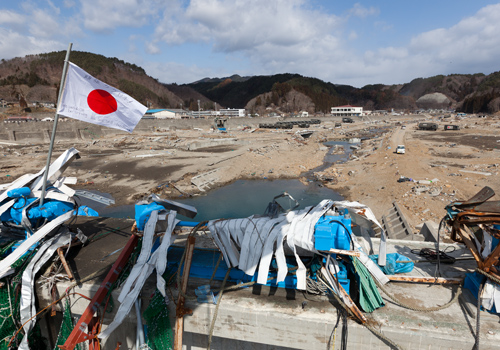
(427, 126)
(400, 149)
(451, 127)
(347, 120)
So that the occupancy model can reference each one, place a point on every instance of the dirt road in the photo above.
(457, 163)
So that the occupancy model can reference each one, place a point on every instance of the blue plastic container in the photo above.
(472, 282)
(342, 277)
(330, 232)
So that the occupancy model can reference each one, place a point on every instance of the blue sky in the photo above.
(343, 42)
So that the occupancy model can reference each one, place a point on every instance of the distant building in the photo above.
(347, 111)
(232, 112)
(167, 113)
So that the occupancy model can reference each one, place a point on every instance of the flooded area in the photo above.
(240, 199)
(243, 198)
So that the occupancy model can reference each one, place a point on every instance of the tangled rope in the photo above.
(423, 309)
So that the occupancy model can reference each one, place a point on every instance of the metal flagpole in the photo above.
(56, 118)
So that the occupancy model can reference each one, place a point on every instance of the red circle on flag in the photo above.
(101, 102)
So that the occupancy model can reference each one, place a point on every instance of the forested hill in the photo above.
(475, 93)
(36, 78)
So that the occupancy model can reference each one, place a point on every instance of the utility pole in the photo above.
(198, 108)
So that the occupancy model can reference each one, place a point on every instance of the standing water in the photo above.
(242, 198)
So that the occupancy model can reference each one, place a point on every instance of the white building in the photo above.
(232, 112)
(347, 111)
(167, 113)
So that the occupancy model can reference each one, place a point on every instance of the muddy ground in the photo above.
(459, 163)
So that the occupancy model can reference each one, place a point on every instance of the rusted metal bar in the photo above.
(418, 279)
(482, 196)
(345, 252)
(181, 310)
(345, 298)
(79, 334)
(94, 326)
(65, 263)
(53, 293)
(465, 236)
(492, 259)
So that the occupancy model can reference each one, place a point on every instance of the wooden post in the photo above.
(419, 279)
(181, 310)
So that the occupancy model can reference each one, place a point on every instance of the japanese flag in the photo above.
(90, 100)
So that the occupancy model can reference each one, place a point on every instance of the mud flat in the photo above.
(181, 160)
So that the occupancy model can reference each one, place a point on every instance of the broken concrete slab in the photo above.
(206, 143)
(475, 172)
(429, 231)
(206, 180)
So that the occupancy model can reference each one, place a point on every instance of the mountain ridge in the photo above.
(37, 78)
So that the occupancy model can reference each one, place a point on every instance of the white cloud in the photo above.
(14, 44)
(69, 3)
(43, 25)
(359, 10)
(152, 48)
(468, 46)
(11, 17)
(239, 25)
(106, 15)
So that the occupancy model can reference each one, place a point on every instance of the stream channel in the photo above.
(243, 198)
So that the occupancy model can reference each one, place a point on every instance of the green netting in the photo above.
(5, 247)
(10, 297)
(369, 296)
(160, 335)
(67, 326)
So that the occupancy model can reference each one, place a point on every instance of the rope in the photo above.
(491, 277)
(366, 324)
(215, 269)
(423, 309)
(219, 298)
(478, 314)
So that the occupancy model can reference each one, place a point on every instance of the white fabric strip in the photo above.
(54, 195)
(267, 251)
(27, 307)
(144, 255)
(37, 236)
(213, 232)
(250, 242)
(21, 182)
(161, 261)
(259, 244)
(131, 297)
(56, 168)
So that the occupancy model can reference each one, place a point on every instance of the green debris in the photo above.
(369, 296)
(67, 326)
(159, 331)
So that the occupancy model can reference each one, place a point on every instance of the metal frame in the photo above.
(79, 333)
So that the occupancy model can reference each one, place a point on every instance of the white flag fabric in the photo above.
(90, 100)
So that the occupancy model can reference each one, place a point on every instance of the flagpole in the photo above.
(56, 118)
